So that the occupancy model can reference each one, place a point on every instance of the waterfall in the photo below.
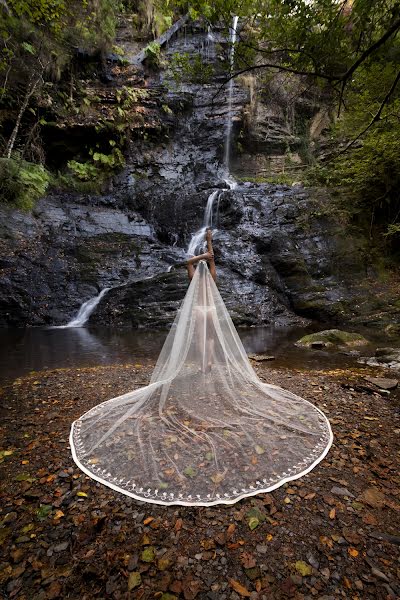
(228, 133)
(198, 238)
(84, 312)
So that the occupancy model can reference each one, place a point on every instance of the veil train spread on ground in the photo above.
(205, 430)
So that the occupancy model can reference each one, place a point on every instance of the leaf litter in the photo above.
(330, 534)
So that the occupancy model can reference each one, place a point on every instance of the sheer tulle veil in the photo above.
(205, 430)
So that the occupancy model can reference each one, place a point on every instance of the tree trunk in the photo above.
(30, 90)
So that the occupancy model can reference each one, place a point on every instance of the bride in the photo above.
(205, 430)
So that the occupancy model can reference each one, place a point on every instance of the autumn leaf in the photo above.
(326, 541)
(332, 513)
(353, 552)
(218, 477)
(230, 531)
(303, 568)
(81, 494)
(178, 524)
(239, 588)
(148, 520)
(259, 450)
(248, 561)
(163, 563)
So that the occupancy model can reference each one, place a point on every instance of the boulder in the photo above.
(384, 357)
(383, 383)
(331, 338)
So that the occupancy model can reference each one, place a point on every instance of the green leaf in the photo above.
(24, 477)
(28, 47)
(43, 511)
(148, 554)
(190, 472)
(255, 516)
(253, 523)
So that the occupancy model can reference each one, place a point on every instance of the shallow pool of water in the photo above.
(36, 349)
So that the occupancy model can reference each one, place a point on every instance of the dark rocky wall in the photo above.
(282, 256)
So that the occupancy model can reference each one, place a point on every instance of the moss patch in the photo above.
(332, 337)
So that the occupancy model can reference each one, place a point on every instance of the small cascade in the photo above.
(230, 182)
(228, 134)
(84, 312)
(198, 239)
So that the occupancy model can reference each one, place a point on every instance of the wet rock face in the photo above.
(278, 261)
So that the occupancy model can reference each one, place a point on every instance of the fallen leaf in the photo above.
(373, 497)
(230, 531)
(43, 511)
(134, 580)
(218, 477)
(81, 494)
(347, 582)
(148, 520)
(353, 552)
(247, 560)
(239, 588)
(326, 541)
(303, 568)
(332, 513)
(254, 517)
(163, 563)
(148, 554)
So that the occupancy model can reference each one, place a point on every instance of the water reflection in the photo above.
(27, 350)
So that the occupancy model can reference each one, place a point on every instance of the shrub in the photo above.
(22, 183)
(153, 55)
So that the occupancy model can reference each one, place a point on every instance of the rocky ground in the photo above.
(331, 534)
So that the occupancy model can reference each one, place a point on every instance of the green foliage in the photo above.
(22, 183)
(99, 167)
(151, 18)
(393, 230)
(350, 53)
(368, 172)
(153, 55)
(185, 67)
(84, 171)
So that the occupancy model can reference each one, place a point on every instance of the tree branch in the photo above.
(393, 29)
(376, 117)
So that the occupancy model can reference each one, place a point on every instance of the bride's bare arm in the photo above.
(209, 256)
(213, 270)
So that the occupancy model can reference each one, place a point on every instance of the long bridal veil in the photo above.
(205, 430)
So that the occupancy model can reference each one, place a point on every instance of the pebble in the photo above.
(61, 547)
(341, 491)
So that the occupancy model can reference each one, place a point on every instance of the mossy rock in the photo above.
(332, 337)
(393, 329)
